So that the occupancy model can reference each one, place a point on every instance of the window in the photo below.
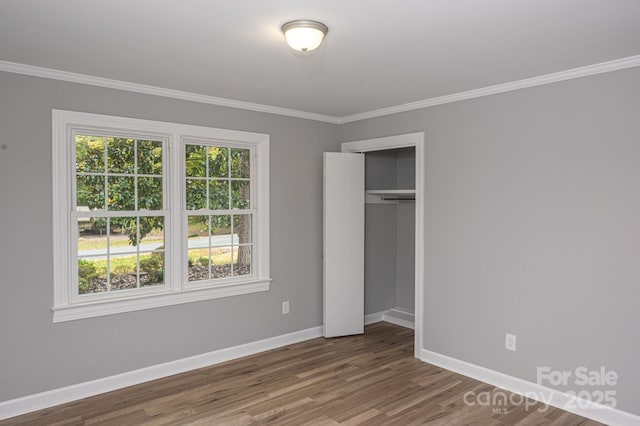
(119, 215)
(150, 214)
(219, 211)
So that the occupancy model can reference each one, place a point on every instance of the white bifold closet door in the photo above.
(343, 244)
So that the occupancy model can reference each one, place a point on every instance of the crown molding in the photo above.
(31, 70)
(603, 67)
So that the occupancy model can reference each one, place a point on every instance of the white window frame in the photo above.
(176, 289)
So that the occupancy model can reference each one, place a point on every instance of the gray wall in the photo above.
(405, 256)
(37, 355)
(533, 226)
(379, 257)
(381, 169)
(405, 232)
(406, 168)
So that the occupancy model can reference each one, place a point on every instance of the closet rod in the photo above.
(397, 198)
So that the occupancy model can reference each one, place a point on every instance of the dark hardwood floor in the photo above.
(369, 379)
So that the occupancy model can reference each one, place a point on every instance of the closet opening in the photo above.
(389, 274)
(374, 235)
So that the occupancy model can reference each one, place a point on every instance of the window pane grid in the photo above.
(126, 166)
(211, 171)
(222, 178)
(120, 195)
(119, 265)
(214, 167)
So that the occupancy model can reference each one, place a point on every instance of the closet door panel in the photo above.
(343, 240)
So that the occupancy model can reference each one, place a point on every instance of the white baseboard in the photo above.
(375, 317)
(532, 390)
(555, 398)
(400, 316)
(15, 407)
(397, 316)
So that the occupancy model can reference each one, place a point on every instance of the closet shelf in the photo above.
(383, 196)
(391, 191)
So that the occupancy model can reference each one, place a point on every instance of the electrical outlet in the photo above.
(285, 307)
(510, 342)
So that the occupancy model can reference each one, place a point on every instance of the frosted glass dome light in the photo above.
(304, 35)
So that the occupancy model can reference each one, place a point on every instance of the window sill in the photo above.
(117, 306)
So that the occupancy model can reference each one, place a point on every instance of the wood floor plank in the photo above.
(370, 379)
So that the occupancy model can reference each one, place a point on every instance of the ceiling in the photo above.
(377, 54)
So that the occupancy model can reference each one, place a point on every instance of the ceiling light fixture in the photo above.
(304, 35)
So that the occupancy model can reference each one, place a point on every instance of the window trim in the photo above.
(175, 291)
